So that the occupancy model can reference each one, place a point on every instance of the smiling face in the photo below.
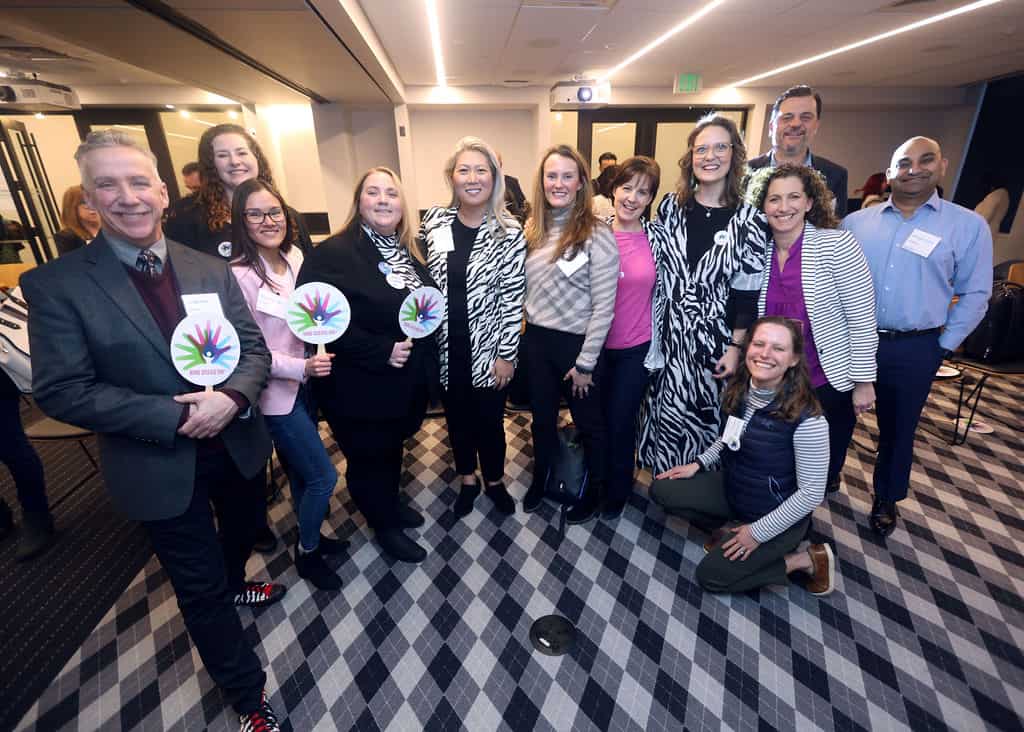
(380, 203)
(269, 233)
(631, 198)
(562, 181)
(795, 125)
(786, 205)
(712, 154)
(234, 160)
(916, 168)
(122, 186)
(472, 179)
(770, 354)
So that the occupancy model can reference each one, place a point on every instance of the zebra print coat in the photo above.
(679, 418)
(495, 290)
(840, 299)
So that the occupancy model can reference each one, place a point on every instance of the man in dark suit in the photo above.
(794, 123)
(100, 322)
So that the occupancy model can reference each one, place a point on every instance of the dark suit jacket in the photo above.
(100, 361)
(836, 177)
(362, 384)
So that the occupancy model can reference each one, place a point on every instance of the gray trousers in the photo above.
(701, 501)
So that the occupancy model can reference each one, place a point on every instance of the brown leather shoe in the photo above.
(823, 574)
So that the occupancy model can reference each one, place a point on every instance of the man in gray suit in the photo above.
(100, 323)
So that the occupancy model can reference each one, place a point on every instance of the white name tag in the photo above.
(202, 303)
(733, 431)
(570, 267)
(269, 302)
(441, 240)
(921, 242)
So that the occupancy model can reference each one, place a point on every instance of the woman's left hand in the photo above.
(581, 383)
(741, 545)
(863, 397)
(502, 371)
(728, 363)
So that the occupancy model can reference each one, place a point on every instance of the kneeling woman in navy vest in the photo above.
(764, 476)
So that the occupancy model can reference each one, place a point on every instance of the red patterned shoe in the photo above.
(262, 720)
(258, 594)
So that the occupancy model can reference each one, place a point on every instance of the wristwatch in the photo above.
(583, 371)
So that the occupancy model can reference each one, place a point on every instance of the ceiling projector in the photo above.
(580, 94)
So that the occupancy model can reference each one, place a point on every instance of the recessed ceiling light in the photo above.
(677, 28)
(435, 40)
(970, 7)
(169, 106)
(232, 114)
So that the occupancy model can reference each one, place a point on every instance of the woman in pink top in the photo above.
(625, 378)
(265, 264)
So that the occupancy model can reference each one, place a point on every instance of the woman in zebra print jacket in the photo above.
(476, 255)
(705, 297)
(816, 273)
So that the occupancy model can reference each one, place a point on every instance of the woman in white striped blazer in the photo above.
(817, 274)
(476, 254)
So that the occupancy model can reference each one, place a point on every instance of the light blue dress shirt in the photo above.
(129, 253)
(913, 292)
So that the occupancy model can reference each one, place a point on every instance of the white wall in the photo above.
(435, 131)
(293, 155)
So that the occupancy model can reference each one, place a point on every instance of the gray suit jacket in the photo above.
(100, 361)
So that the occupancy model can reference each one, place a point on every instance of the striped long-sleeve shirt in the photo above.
(810, 446)
(582, 302)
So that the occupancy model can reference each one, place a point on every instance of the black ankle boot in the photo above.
(535, 495)
(37, 534)
(502, 500)
(586, 509)
(467, 495)
(312, 567)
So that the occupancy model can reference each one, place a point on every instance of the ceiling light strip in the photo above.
(678, 28)
(435, 40)
(970, 7)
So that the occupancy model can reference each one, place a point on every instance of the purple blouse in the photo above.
(785, 297)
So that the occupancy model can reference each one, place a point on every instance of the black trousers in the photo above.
(838, 407)
(206, 570)
(622, 389)
(17, 453)
(549, 355)
(906, 369)
(373, 457)
(476, 418)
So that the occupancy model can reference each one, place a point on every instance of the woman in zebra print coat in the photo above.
(817, 274)
(705, 297)
(476, 255)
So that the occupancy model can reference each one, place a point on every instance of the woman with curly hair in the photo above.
(228, 156)
(816, 273)
(763, 477)
(705, 297)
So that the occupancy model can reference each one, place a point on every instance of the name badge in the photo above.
(395, 281)
(921, 243)
(202, 303)
(441, 240)
(269, 302)
(224, 249)
(733, 431)
(570, 266)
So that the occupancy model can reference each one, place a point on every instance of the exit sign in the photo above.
(687, 84)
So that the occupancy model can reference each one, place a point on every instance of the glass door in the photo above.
(27, 205)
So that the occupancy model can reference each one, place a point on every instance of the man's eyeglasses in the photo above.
(255, 216)
(719, 148)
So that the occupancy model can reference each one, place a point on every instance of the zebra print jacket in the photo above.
(840, 299)
(495, 290)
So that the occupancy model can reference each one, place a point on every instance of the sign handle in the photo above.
(321, 349)
(208, 389)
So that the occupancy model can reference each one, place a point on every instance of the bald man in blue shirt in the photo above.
(922, 252)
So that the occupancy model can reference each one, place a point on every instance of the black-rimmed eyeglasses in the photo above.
(255, 216)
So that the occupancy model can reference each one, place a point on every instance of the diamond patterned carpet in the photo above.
(924, 630)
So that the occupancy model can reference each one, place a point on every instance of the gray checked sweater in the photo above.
(582, 302)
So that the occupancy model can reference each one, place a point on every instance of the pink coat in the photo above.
(287, 370)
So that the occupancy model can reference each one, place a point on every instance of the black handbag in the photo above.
(567, 481)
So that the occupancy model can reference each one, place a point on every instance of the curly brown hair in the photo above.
(211, 196)
(822, 213)
(795, 397)
(581, 221)
(687, 186)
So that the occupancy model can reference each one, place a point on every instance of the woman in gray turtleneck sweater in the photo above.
(572, 270)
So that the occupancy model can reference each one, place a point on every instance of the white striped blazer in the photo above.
(495, 290)
(840, 299)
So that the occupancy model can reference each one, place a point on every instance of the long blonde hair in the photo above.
(407, 226)
(69, 218)
(582, 219)
(496, 215)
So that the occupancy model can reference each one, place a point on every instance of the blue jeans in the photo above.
(311, 473)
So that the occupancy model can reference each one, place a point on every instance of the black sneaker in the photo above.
(467, 495)
(262, 720)
(311, 566)
(259, 594)
(502, 500)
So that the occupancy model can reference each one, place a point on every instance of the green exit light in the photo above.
(687, 83)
